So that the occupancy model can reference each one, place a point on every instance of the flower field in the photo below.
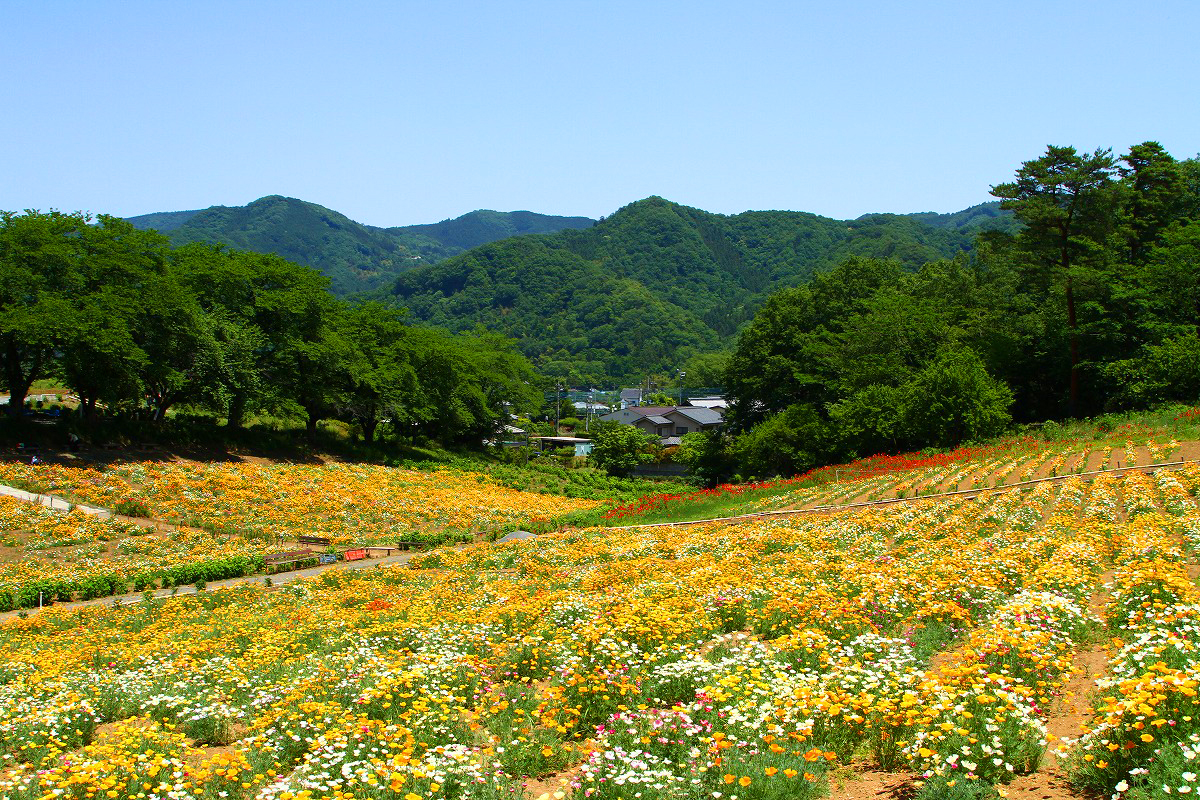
(57, 556)
(1007, 462)
(238, 513)
(934, 638)
(349, 503)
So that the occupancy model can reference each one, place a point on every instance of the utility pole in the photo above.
(558, 387)
(682, 375)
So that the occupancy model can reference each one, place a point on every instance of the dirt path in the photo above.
(862, 782)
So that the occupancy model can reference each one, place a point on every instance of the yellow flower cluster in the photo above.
(353, 503)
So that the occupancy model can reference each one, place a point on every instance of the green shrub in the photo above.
(132, 507)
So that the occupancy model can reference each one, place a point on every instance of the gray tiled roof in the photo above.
(702, 416)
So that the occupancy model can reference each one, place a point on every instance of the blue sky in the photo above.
(397, 113)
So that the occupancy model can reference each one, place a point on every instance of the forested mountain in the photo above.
(355, 257)
(162, 221)
(653, 284)
(641, 291)
(453, 236)
(982, 217)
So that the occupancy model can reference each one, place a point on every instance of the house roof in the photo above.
(657, 419)
(649, 411)
(701, 416)
(631, 394)
(708, 402)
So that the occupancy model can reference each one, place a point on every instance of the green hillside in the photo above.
(641, 291)
(356, 257)
(440, 240)
(163, 221)
(978, 218)
(651, 285)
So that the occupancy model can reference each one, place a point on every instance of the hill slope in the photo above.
(356, 257)
(651, 285)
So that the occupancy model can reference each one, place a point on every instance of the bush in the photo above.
(132, 507)
(619, 448)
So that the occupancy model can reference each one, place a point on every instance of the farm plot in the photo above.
(238, 515)
(934, 638)
(51, 555)
(1004, 463)
(349, 503)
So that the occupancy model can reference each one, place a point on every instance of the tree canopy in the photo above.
(131, 325)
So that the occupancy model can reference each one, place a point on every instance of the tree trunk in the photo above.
(1074, 402)
(368, 426)
(18, 382)
(237, 411)
(160, 403)
(1065, 264)
(310, 426)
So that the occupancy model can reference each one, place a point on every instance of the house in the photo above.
(709, 401)
(667, 421)
(630, 398)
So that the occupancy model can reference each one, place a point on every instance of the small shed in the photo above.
(582, 446)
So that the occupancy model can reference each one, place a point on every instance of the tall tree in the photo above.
(1153, 186)
(383, 381)
(264, 308)
(1063, 199)
(39, 270)
(122, 274)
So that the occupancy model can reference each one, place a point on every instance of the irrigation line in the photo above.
(890, 500)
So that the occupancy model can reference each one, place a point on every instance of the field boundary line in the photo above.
(891, 500)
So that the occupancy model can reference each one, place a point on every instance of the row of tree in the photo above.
(1092, 305)
(129, 324)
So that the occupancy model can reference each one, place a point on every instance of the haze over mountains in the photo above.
(646, 288)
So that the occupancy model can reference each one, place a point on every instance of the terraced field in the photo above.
(222, 520)
(941, 647)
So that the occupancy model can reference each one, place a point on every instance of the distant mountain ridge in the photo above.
(356, 257)
(976, 219)
(642, 290)
(656, 282)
